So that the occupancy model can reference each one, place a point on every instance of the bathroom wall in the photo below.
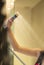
(37, 22)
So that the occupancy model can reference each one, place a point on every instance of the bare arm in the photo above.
(17, 47)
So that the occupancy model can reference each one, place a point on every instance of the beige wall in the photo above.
(34, 18)
(38, 22)
(25, 12)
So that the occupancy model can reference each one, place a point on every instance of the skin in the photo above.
(17, 47)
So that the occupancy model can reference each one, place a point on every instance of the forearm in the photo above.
(13, 40)
(18, 48)
(28, 51)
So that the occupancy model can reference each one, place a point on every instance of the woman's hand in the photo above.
(9, 22)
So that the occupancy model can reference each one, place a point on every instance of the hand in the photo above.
(9, 23)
